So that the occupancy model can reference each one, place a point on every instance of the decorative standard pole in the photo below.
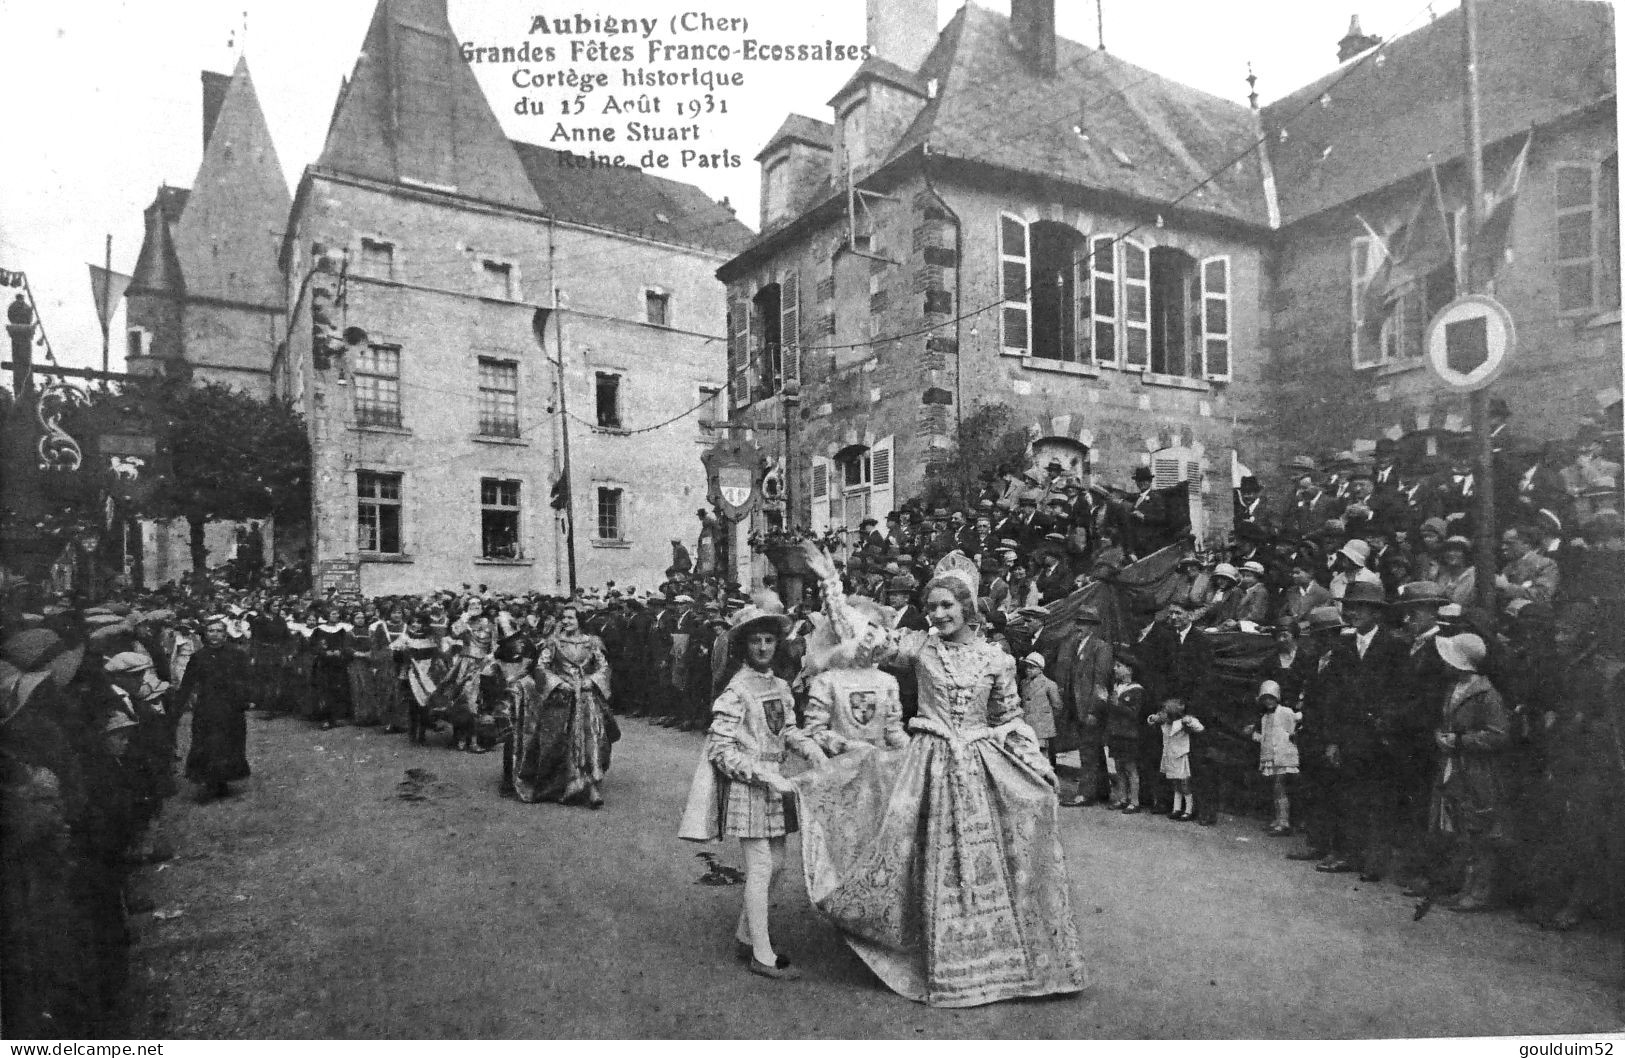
(791, 400)
(1484, 520)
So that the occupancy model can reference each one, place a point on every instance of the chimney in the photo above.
(1032, 26)
(1355, 41)
(901, 31)
(214, 94)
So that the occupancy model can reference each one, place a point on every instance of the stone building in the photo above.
(1355, 186)
(475, 264)
(951, 238)
(1150, 275)
(205, 299)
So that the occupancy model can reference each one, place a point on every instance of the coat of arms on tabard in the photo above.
(863, 705)
(773, 709)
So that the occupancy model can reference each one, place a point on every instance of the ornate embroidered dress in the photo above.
(941, 863)
(564, 741)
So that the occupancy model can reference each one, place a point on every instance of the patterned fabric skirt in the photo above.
(750, 811)
(564, 748)
(941, 865)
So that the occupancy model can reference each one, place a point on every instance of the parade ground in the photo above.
(361, 887)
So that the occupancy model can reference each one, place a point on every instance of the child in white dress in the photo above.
(1176, 754)
(1277, 752)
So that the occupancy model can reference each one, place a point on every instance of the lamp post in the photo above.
(791, 399)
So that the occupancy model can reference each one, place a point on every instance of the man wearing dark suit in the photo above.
(1028, 526)
(1250, 510)
(1083, 673)
(1365, 738)
(1385, 474)
(1455, 494)
(1179, 664)
(1054, 578)
(1308, 508)
(1149, 519)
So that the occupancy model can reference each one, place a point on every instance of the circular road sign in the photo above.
(1469, 341)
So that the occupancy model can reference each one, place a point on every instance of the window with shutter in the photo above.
(1365, 259)
(790, 325)
(881, 490)
(1103, 297)
(738, 346)
(820, 494)
(1165, 471)
(1576, 199)
(1015, 318)
(1136, 306)
(1216, 317)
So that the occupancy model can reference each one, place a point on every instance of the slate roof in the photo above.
(1538, 60)
(156, 266)
(627, 199)
(876, 68)
(802, 128)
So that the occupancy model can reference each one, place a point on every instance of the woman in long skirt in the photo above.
(386, 632)
(565, 744)
(364, 691)
(420, 666)
(941, 864)
(329, 670)
(458, 696)
(214, 687)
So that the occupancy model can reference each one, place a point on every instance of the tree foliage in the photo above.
(985, 441)
(233, 456)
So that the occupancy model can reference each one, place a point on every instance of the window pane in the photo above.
(499, 398)
(1574, 235)
(1138, 306)
(1218, 356)
(1574, 287)
(1105, 341)
(1014, 235)
(1573, 186)
(1015, 328)
(655, 304)
(1218, 316)
(389, 530)
(1216, 277)
(1105, 297)
(1103, 259)
(609, 514)
(1015, 281)
(1139, 350)
(1134, 263)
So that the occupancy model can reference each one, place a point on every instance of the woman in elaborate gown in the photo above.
(458, 696)
(941, 864)
(564, 745)
(366, 683)
(385, 633)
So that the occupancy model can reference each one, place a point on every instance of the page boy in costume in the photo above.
(738, 791)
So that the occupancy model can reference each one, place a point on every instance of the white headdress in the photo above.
(955, 564)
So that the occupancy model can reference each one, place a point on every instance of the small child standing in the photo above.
(1277, 752)
(1123, 733)
(1176, 754)
(1040, 700)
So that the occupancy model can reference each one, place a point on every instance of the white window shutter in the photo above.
(1136, 306)
(1015, 279)
(1103, 297)
(820, 494)
(790, 325)
(1166, 469)
(1215, 349)
(738, 349)
(881, 488)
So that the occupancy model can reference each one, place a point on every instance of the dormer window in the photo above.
(852, 134)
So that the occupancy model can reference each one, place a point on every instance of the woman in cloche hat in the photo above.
(1468, 795)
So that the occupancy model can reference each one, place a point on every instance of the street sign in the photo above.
(339, 575)
(1469, 341)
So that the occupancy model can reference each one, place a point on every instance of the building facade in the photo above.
(1371, 167)
(205, 299)
(945, 242)
(1151, 276)
(496, 297)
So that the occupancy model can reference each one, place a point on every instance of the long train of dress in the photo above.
(941, 863)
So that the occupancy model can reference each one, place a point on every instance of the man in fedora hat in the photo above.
(1455, 495)
(1305, 593)
(1250, 509)
(1321, 640)
(1148, 518)
(1179, 665)
(1363, 742)
(1308, 507)
(1083, 672)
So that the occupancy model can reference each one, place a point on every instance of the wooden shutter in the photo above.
(790, 325)
(1103, 297)
(1215, 348)
(820, 494)
(1136, 306)
(881, 489)
(738, 346)
(1015, 272)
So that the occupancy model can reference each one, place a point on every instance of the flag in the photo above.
(1489, 247)
(108, 289)
(1374, 301)
(1426, 244)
